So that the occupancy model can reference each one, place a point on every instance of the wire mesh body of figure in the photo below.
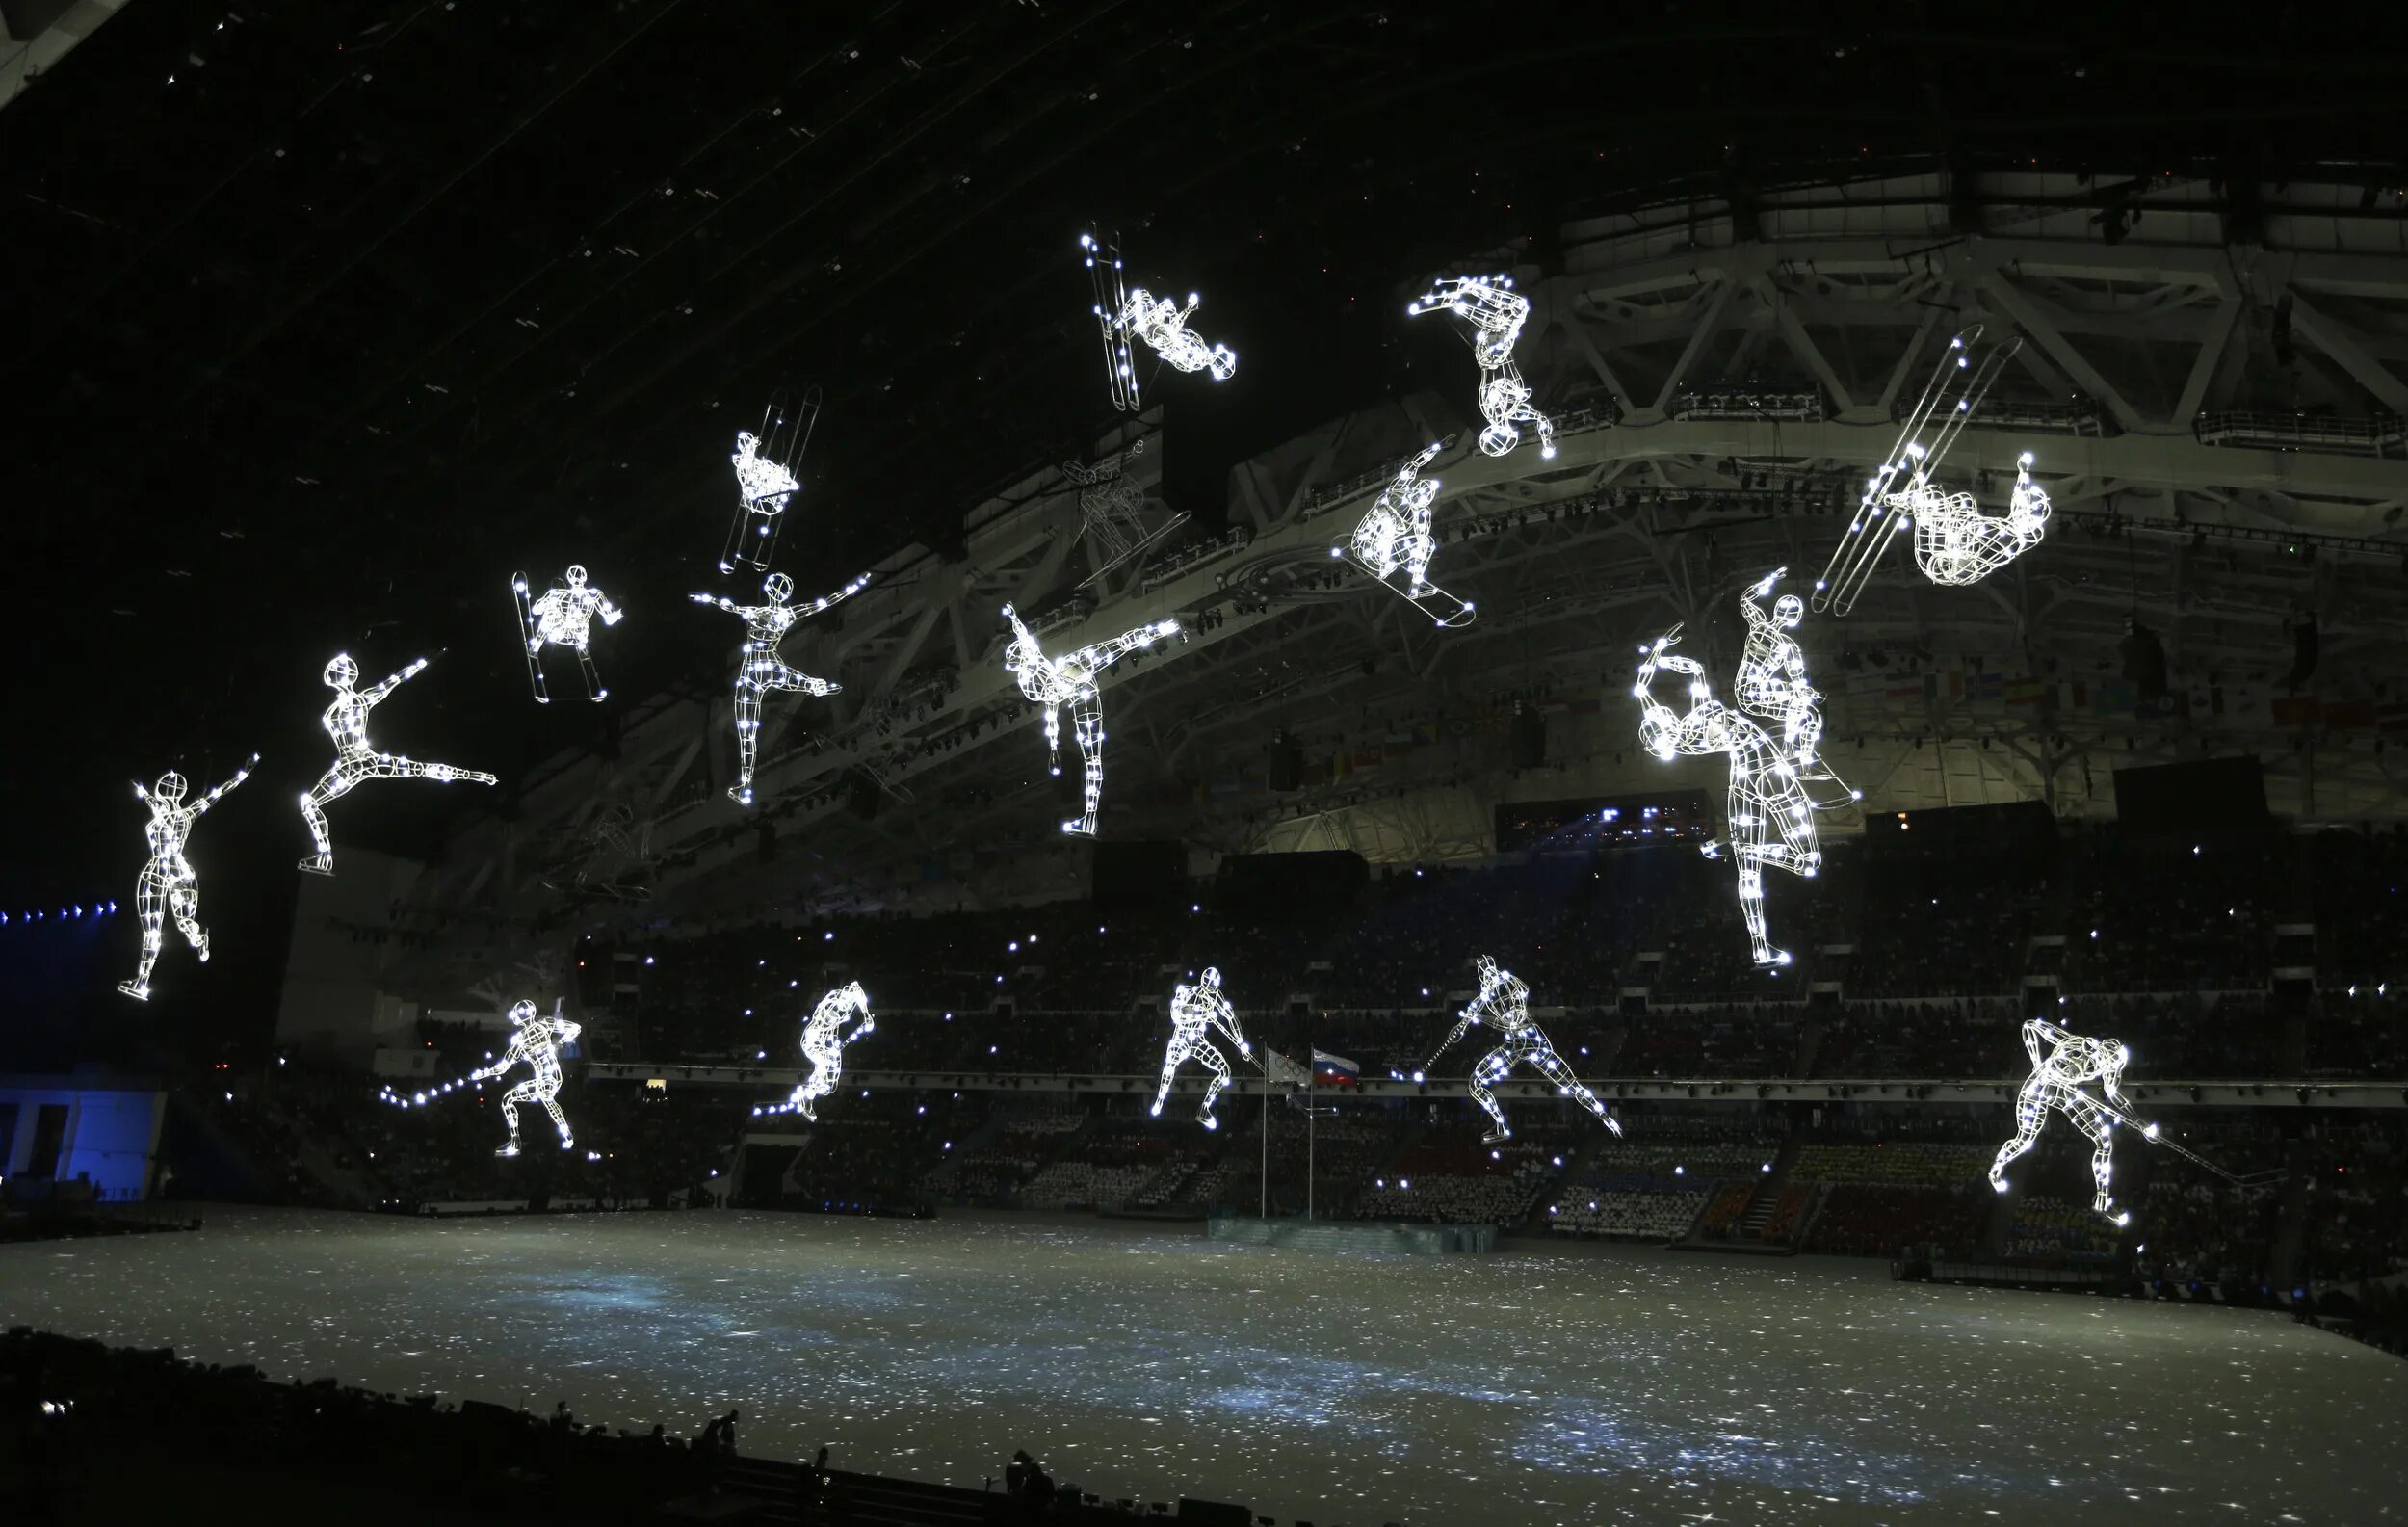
(1770, 684)
(1162, 325)
(1070, 681)
(1770, 816)
(1194, 1013)
(2061, 1062)
(823, 1047)
(759, 669)
(1956, 543)
(168, 887)
(766, 477)
(562, 616)
(1502, 1004)
(1393, 543)
(536, 1041)
(1495, 312)
(346, 720)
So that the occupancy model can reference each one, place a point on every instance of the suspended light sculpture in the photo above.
(1394, 544)
(1956, 543)
(1900, 490)
(1772, 685)
(1194, 1013)
(1123, 313)
(823, 1047)
(346, 720)
(765, 465)
(1771, 817)
(2061, 1062)
(1495, 312)
(167, 886)
(562, 616)
(1502, 1004)
(538, 1042)
(1111, 507)
(1070, 680)
(758, 668)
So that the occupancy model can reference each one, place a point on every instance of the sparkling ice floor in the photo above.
(1584, 1384)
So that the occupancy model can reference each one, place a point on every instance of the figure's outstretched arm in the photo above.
(2037, 1035)
(393, 681)
(610, 613)
(840, 595)
(240, 775)
(1126, 643)
(2111, 1076)
(1226, 1017)
(723, 601)
(141, 792)
(1757, 617)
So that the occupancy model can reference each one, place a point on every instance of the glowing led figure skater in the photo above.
(562, 615)
(1956, 543)
(759, 669)
(1054, 682)
(1772, 685)
(1495, 312)
(167, 886)
(1393, 542)
(823, 1047)
(537, 1042)
(2061, 1064)
(1771, 816)
(1503, 1005)
(1194, 1013)
(346, 720)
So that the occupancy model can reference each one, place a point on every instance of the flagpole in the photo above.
(1265, 1210)
(1312, 1118)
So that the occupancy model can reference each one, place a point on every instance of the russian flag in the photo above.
(1335, 1070)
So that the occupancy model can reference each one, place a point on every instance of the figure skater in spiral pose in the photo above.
(562, 616)
(346, 720)
(1770, 815)
(1054, 682)
(1503, 1005)
(167, 886)
(1495, 312)
(759, 669)
(1194, 1013)
(538, 1042)
(2061, 1062)
(823, 1047)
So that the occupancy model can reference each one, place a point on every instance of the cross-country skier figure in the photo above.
(167, 886)
(1772, 685)
(1771, 816)
(2061, 1062)
(562, 616)
(1194, 1013)
(759, 669)
(346, 720)
(537, 1042)
(1503, 1005)
(1162, 324)
(1495, 312)
(823, 1047)
(1054, 682)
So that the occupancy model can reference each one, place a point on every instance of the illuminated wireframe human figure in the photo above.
(1496, 313)
(1770, 815)
(823, 1047)
(1502, 1004)
(1394, 533)
(1770, 684)
(1163, 324)
(564, 615)
(1194, 1013)
(346, 720)
(538, 1042)
(168, 887)
(2061, 1062)
(759, 669)
(1956, 543)
(1054, 682)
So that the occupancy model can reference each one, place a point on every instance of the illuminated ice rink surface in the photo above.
(1586, 1384)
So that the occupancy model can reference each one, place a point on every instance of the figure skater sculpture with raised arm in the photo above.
(1502, 1004)
(167, 886)
(2061, 1062)
(1054, 682)
(562, 615)
(759, 669)
(823, 1047)
(346, 720)
(1194, 1013)
(1771, 818)
(538, 1042)
(1495, 312)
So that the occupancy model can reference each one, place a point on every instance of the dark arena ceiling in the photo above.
(333, 314)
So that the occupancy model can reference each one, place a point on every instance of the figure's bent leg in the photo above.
(184, 904)
(2031, 1112)
(1491, 1070)
(1171, 1057)
(1209, 1054)
(150, 907)
(593, 679)
(510, 1113)
(332, 785)
(2092, 1120)
(1087, 721)
(1552, 1067)
(393, 766)
(559, 1120)
(747, 738)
